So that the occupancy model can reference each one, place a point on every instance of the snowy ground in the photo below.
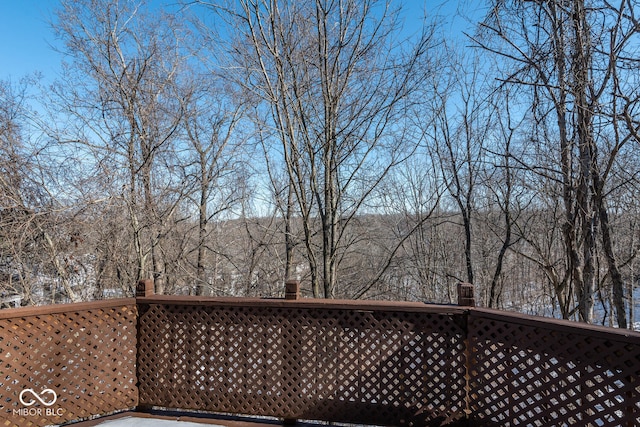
(149, 422)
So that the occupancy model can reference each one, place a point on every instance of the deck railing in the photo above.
(66, 362)
(534, 371)
(347, 361)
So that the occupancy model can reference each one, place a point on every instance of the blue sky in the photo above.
(26, 36)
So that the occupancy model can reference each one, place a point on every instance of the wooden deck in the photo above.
(182, 418)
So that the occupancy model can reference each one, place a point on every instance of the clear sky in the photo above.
(26, 36)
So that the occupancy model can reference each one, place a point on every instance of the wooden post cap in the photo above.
(292, 290)
(465, 295)
(145, 288)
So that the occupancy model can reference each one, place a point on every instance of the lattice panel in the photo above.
(539, 375)
(378, 367)
(86, 357)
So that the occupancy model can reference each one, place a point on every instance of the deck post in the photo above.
(465, 295)
(145, 288)
(466, 299)
(292, 290)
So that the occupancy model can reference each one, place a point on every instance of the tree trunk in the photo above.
(617, 283)
(586, 149)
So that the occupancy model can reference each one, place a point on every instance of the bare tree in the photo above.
(120, 94)
(17, 198)
(502, 181)
(210, 126)
(37, 225)
(573, 55)
(459, 134)
(337, 84)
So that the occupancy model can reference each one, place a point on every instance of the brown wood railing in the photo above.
(66, 362)
(364, 362)
(384, 363)
(535, 371)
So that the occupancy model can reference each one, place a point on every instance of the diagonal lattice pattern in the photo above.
(362, 362)
(85, 353)
(544, 373)
(369, 366)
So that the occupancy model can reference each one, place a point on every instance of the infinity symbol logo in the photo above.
(38, 397)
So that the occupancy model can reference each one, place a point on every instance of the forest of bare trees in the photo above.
(224, 147)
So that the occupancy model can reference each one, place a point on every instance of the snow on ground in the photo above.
(149, 422)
